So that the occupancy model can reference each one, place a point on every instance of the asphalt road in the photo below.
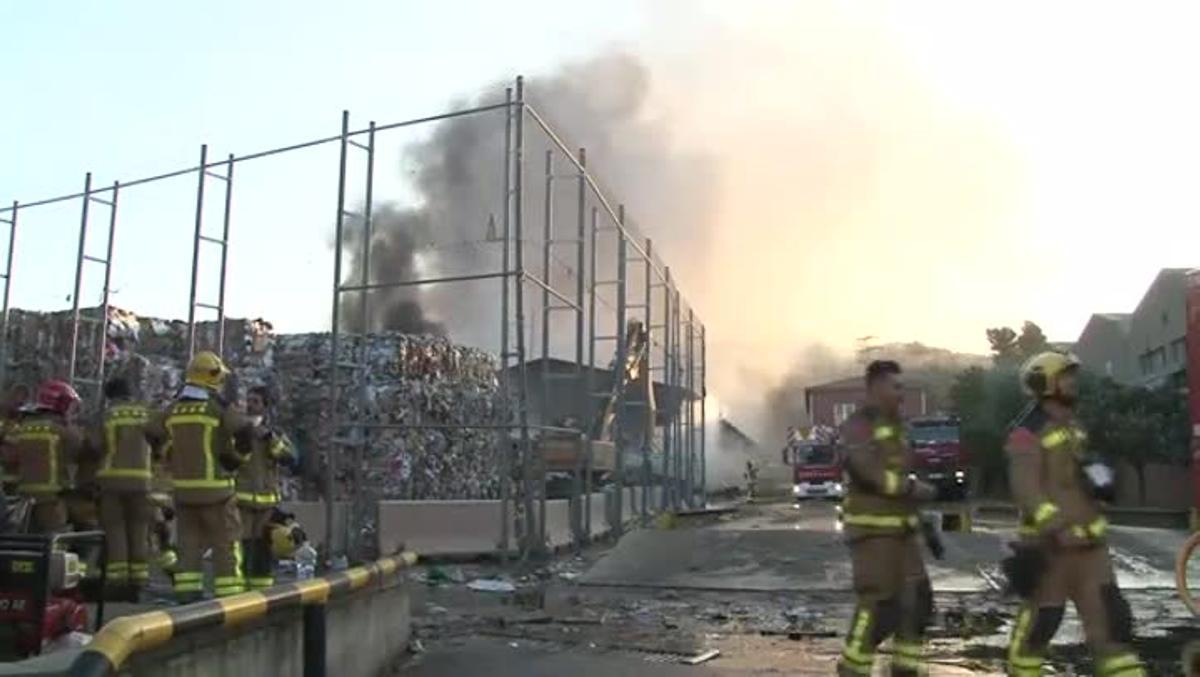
(769, 587)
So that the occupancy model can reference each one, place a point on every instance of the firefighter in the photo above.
(47, 441)
(200, 430)
(124, 477)
(894, 597)
(16, 407)
(1061, 553)
(258, 490)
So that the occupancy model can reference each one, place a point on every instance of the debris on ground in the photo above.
(701, 657)
(491, 585)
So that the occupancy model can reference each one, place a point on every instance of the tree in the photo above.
(1031, 341)
(1011, 348)
(987, 401)
(1136, 426)
(1003, 341)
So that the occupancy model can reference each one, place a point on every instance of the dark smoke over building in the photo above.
(457, 175)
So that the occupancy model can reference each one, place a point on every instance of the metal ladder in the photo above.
(350, 435)
(199, 238)
(96, 321)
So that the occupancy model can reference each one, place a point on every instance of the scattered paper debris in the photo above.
(491, 585)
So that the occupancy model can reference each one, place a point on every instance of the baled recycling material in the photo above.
(388, 381)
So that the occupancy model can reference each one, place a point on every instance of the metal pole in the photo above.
(196, 250)
(335, 339)
(591, 372)
(502, 438)
(582, 390)
(224, 257)
(547, 239)
(364, 300)
(669, 413)
(648, 416)
(703, 419)
(677, 420)
(8, 266)
(690, 414)
(619, 376)
(83, 222)
(519, 300)
(108, 260)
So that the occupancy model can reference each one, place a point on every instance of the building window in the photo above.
(1178, 351)
(1158, 358)
(843, 411)
(1144, 363)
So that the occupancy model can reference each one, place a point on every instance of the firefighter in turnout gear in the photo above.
(1061, 553)
(894, 597)
(16, 407)
(47, 442)
(258, 491)
(124, 476)
(201, 432)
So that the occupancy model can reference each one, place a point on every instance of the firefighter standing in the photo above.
(1062, 553)
(200, 431)
(15, 408)
(124, 477)
(47, 442)
(894, 597)
(258, 491)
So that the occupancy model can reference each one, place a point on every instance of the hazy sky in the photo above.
(913, 171)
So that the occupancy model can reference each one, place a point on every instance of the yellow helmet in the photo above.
(284, 540)
(207, 371)
(1040, 373)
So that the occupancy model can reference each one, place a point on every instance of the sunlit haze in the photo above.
(909, 171)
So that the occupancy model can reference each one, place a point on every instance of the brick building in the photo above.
(831, 403)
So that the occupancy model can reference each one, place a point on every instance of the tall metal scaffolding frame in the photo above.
(604, 294)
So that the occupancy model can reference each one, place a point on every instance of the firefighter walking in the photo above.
(258, 490)
(200, 430)
(124, 476)
(47, 442)
(894, 597)
(1061, 554)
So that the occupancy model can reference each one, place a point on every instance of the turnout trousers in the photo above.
(256, 546)
(203, 526)
(894, 600)
(125, 517)
(1083, 575)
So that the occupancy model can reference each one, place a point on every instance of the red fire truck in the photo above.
(816, 469)
(940, 459)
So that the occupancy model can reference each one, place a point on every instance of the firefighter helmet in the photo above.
(1040, 374)
(285, 538)
(207, 371)
(56, 396)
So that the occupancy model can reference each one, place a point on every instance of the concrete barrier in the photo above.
(464, 528)
(440, 527)
(311, 515)
(353, 623)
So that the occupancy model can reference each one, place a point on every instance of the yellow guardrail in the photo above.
(123, 637)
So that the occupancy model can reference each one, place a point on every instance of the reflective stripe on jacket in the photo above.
(45, 446)
(258, 478)
(126, 462)
(877, 462)
(200, 435)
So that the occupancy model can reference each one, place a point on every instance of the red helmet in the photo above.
(56, 396)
